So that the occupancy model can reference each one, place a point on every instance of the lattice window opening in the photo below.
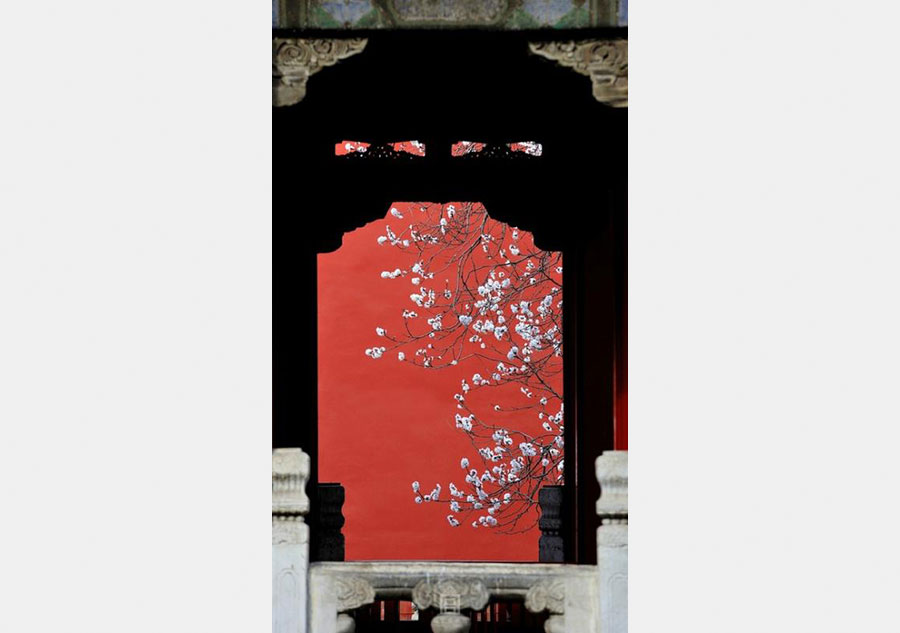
(407, 149)
(396, 150)
(477, 149)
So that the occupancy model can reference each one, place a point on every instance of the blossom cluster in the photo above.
(488, 302)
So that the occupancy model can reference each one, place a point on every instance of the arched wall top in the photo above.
(439, 88)
(533, 221)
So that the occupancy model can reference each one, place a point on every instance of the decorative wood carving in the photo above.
(550, 545)
(329, 540)
(295, 60)
(604, 61)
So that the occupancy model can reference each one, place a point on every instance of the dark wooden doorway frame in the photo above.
(439, 88)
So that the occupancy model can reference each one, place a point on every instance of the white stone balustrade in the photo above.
(319, 598)
(612, 541)
(290, 540)
(568, 592)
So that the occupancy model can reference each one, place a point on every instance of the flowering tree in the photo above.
(486, 302)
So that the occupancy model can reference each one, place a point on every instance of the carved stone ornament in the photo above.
(287, 530)
(555, 624)
(471, 594)
(450, 623)
(546, 595)
(290, 472)
(353, 593)
(345, 624)
(295, 60)
(604, 61)
(612, 475)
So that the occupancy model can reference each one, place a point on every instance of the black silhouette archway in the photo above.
(440, 87)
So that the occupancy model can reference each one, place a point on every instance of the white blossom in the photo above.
(506, 290)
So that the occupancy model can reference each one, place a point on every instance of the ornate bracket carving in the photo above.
(470, 593)
(294, 60)
(353, 593)
(604, 61)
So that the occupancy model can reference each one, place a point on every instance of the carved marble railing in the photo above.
(612, 541)
(290, 540)
(567, 592)
(578, 598)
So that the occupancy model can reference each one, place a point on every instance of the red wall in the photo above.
(384, 424)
